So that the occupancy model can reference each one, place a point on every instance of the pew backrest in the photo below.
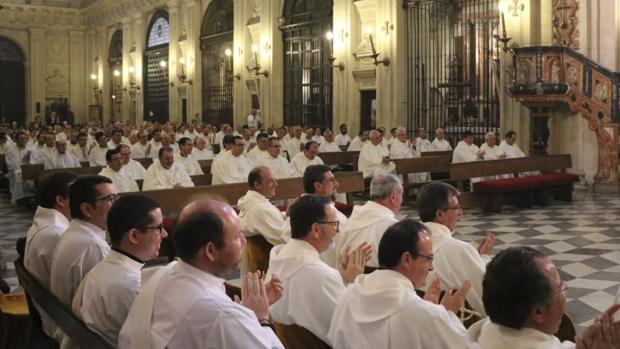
(205, 165)
(31, 172)
(80, 171)
(547, 163)
(145, 162)
(436, 153)
(340, 158)
(423, 164)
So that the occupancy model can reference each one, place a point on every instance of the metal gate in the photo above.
(156, 89)
(307, 68)
(12, 83)
(217, 66)
(115, 61)
(453, 65)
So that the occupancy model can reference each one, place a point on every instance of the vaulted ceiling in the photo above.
(55, 3)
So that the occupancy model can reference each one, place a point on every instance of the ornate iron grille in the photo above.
(453, 67)
(217, 74)
(156, 93)
(115, 60)
(12, 83)
(307, 69)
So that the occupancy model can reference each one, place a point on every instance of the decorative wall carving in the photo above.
(565, 21)
(57, 80)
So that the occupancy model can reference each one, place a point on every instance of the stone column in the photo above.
(193, 14)
(174, 101)
(77, 73)
(139, 33)
(37, 69)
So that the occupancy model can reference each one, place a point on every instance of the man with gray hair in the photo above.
(403, 148)
(375, 157)
(369, 221)
(328, 144)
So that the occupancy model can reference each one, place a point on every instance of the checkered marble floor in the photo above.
(582, 238)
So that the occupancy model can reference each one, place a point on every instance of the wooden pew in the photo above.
(145, 162)
(31, 172)
(432, 164)
(340, 158)
(173, 200)
(205, 165)
(216, 148)
(80, 171)
(199, 180)
(523, 190)
(436, 153)
(60, 314)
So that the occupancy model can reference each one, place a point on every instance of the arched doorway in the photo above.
(115, 61)
(216, 43)
(12, 83)
(307, 69)
(156, 93)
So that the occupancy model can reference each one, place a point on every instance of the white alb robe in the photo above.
(121, 180)
(370, 161)
(204, 154)
(400, 150)
(367, 223)
(189, 162)
(254, 153)
(319, 139)
(102, 301)
(465, 152)
(491, 153)
(66, 160)
(423, 144)
(14, 159)
(356, 144)
(279, 166)
(300, 162)
(135, 169)
(312, 289)
(97, 156)
(38, 155)
(153, 151)
(258, 216)
(342, 140)
(492, 336)
(329, 147)
(188, 308)
(138, 150)
(512, 151)
(80, 248)
(41, 239)
(81, 153)
(157, 177)
(227, 168)
(293, 147)
(456, 261)
(441, 145)
(382, 310)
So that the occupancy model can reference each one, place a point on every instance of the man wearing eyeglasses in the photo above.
(84, 243)
(383, 310)
(311, 287)
(271, 158)
(135, 225)
(455, 260)
(231, 166)
(165, 173)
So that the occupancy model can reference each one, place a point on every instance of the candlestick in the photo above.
(503, 25)
(372, 44)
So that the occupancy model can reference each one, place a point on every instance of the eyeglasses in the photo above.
(112, 198)
(337, 224)
(430, 258)
(157, 228)
(332, 179)
(454, 208)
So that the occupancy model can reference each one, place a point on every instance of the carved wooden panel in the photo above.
(552, 69)
(526, 69)
(565, 21)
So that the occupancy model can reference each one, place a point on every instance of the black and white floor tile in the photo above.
(582, 238)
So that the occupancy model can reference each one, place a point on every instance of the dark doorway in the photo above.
(367, 110)
(12, 83)
(156, 89)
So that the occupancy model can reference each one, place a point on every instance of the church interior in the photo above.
(547, 70)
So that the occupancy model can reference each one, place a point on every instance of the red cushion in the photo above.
(168, 223)
(282, 208)
(506, 185)
(556, 178)
(345, 209)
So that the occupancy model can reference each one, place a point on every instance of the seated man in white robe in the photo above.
(312, 289)
(317, 136)
(307, 157)
(490, 148)
(375, 157)
(440, 143)
(83, 244)
(402, 148)
(97, 153)
(231, 166)
(16, 156)
(116, 138)
(454, 260)
(200, 151)
(165, 173)
(257, 215)
(39, 151)
(369, 221)
(260, 148)
(359, 141)
(48, 224)
(510, 147)
(526, 311)
(280, 167)
(293, 145)
(115, 171)
(183, 305)
(80, 150)
(138, 149)
(61, 158)
(153, 146)
(185, 158)
(466, 150)
(328, 144)
(343, 139)
(382, 309)
(135, 225)
(422, 143)
(135, 169)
